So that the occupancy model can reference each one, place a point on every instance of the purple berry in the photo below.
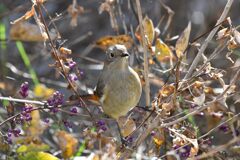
(74, 110)
(153, 133)
(72, 64)
(100, 123)
(24, 89)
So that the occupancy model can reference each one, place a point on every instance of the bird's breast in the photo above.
(121, 92)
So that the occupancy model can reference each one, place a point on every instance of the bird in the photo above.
(119, 87)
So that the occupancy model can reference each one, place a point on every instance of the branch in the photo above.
(145, 56)
(22, 100)
(208, 39)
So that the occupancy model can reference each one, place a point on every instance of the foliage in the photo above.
(49, 109)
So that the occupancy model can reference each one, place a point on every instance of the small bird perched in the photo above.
(119, 88)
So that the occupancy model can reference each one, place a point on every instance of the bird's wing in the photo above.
(101, 83)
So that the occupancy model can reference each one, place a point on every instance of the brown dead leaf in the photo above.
(167, 106)
(162, 51)
(26, 31)
(127, 126)
(167, 90)
(74, 11)
(223, 33)
(200, 99)
(26, 16)
(108, 6)
(182, 42)
(65, 50)
(108, 41)
(67, 143)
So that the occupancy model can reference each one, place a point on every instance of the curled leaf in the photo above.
(26, 16)
(74, 11)
(167, 90)
(182, 42)
(108, 41)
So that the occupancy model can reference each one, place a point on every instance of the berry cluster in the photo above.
(12, 133)
(55, 100)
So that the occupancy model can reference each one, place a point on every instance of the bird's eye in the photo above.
(111, 55)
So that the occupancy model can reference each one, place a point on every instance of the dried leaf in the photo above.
(162, 51)
(149, 30)
(236, 36)
(127, 126)
(199, 100)
(182, 42)
(67, 143)
(223, 33)
(232, 44)
(158, 141)
(26, 16)
(108, 41)
(74, 12)
(26, 31)
(167, 106)
(167, 90)
(108, 6)
(65, 50)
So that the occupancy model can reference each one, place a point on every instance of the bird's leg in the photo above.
(123, 139)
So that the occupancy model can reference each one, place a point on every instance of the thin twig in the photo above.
(208, 39)
(58, 59)
(234, 118)
(170, 16)
(217, 149)
(145, 56)
(206, 105)
(22, 100)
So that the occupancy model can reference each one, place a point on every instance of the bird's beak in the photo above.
(125, 54)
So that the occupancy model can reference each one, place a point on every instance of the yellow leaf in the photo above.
(108, 41)
(148, 30)
(42, 91)
(162, 51)
(67, 143)
(36, 127)
(182, 42)
(37, 156)
(158, 142)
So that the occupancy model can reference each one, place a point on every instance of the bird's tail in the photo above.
(88, 97)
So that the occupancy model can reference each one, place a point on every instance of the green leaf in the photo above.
(22, 148)
(26, 61)
(3, 36)
(37, 156)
